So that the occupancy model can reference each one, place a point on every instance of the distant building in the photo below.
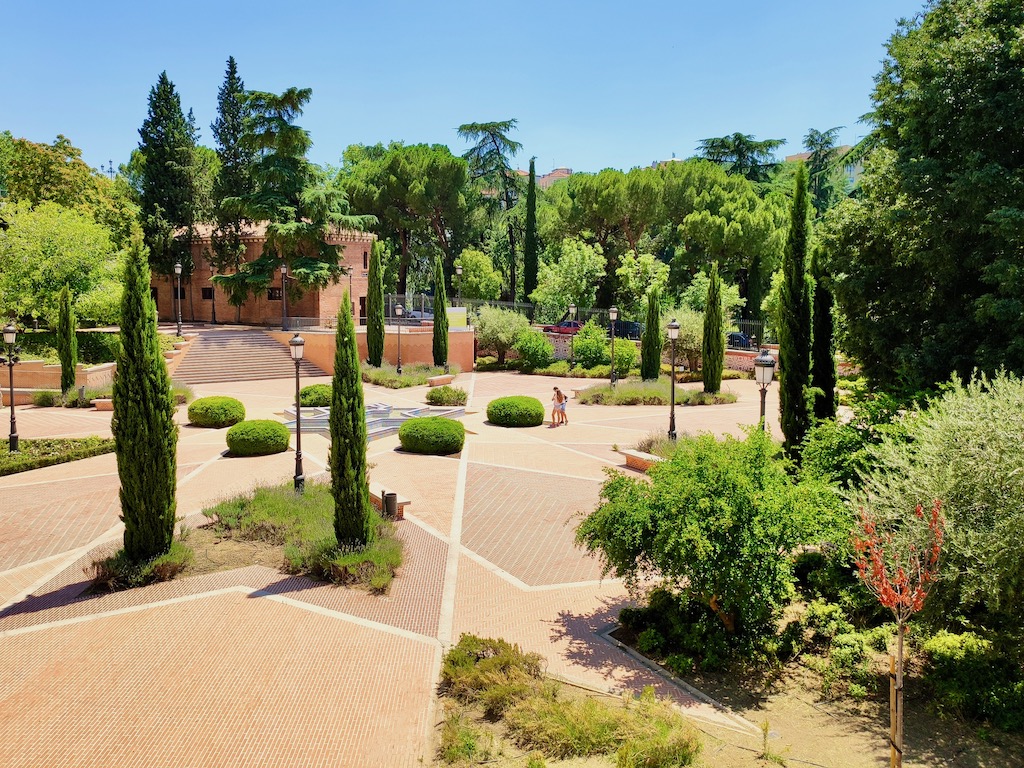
(547, 179)
(852, 171)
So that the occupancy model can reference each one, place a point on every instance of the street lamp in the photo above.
(296, 345)
(284, 298)
(177, 273)
(673, 334)
(399, 309)
(572, 338)
(458, 283)
(613, 315)
(764, 370)
(10, 336)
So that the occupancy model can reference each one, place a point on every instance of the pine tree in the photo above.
(145, 435)
(347, 458)
(823, 352)
(67, 342)
(440, 315)
(652, 343)
(713, 347)
(375, 306)
(530, 244)
(795, 323)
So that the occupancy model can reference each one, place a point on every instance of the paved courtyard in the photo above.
(252, 667)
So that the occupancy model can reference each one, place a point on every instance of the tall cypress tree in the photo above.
(347, 457)
(375, 306)
(145, 435)
(67, 342)
(823, 352)
(795, 323)
(713, 348)
(651, 343)
(530, 244)
(440, 315)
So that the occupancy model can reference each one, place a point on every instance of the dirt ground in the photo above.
(213, 552)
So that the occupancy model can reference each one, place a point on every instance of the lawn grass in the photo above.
(649, 393)
(46, 452)
(303, 526)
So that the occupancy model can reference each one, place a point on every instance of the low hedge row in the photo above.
(516, 411)
(433, 435)
(46, 452)
(258, 437)
(216, 412)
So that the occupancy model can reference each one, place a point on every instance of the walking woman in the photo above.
(558, 408)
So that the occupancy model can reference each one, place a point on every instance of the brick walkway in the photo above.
(252, 667)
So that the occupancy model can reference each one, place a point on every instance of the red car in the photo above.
(571, 327)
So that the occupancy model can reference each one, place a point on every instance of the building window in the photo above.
(207, 294)
(274, 294)
(366, 260)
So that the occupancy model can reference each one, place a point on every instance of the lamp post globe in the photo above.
(613, 315)
(673, 334)
(399, 310)
(10, 359)
(297, 345)
(764, 370)
(177, 274)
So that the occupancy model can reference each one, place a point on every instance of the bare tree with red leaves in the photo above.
(898, 561)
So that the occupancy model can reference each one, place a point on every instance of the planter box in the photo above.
(438, 381)
(639, 460)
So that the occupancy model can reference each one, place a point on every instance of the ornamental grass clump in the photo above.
(447, 395)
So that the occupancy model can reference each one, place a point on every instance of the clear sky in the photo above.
(593, 84)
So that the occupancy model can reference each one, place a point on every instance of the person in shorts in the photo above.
(558, 401)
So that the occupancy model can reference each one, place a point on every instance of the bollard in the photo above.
(390, 505)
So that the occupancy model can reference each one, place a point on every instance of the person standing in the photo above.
(558, 408)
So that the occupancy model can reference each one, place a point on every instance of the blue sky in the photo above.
(593, 84)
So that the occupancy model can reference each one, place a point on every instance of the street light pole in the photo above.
(399, 309)
(296, 346)
(284, 298)
(177, 273)
(10, 337)
(613, 315)
(572, 339)
(764, 369)
(458, 283)
(673, 334)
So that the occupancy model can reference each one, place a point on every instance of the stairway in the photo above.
(243, 355)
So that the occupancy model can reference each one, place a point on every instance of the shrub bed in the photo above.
(447, 395)
(258, 437)
(649, 393)
(216, 412)
(434, 435)
(516, 411)
(414, 375)
(33, 454)
(117, 572)
(315, 396)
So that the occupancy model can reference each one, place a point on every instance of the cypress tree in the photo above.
(823, 351)
(145, 435)
(795, 323)
(347, 457)
(440, 315)
(713, 348)
(67, 342)
(375, 306)
(530, 243)
(651, 343)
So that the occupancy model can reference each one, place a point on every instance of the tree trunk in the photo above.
(896, 705)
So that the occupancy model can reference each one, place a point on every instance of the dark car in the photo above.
(571, 327)
(738, 340)
(627, 329)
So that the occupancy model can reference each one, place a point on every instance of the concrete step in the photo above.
(220, 356)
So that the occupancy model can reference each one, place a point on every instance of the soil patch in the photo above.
(220, 552)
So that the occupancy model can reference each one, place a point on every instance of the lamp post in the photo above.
(572, 339)
(10, 336)
(177, 273)
(764, 369)
(284, 298)
(213, 304)
(613, 315)
(296, 345)
(399, 309)
(458, 283)
(673, 334)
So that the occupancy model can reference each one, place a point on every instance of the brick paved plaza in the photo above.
(251, 667)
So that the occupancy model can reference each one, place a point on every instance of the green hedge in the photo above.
(446, 395)
(516, 411)
(46, 452)
(217, 412)
(316, 396)
(433, 435)
(258, 437)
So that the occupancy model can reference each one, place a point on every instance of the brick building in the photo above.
(200, 300)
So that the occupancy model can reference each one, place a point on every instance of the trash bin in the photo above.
(390, 505)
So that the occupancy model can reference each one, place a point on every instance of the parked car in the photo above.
(571, 327)
(627, 329)
(738, 340)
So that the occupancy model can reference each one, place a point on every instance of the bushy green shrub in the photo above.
(258, 437)
(516, 411)
(590, 345)
(492, 673)
(434, 435)
(534, 349)
(414, 375)
(447, 395)
(625, 357)
(45, 398)
(315, 396)
(649, 393)
(217, 412)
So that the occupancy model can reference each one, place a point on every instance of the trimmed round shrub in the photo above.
(516, 411)
(446, 395)
(216, 412)
(258, 437)
(315, 396)
(433, 435)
